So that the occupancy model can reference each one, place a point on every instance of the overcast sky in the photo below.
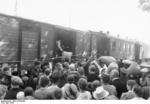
(117, 16)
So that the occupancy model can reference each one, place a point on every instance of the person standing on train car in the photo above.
(62, 51)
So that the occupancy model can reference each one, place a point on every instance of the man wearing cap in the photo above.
(15, 88)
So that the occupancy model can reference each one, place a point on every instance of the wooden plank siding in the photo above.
(8, 38)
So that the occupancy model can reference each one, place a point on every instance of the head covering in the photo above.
(112, 66)
(15, 80)
(70, 91)
(114, 74)
(111, 97)
(3, 90)
(134, 70)
(20, 95)
(72, 67)
(128, 96)
(100, 93)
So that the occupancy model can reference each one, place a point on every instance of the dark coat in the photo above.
(90, 77)
(11, 94)
(146, 92)
(31, 83)
(120, 87)
(6, 80)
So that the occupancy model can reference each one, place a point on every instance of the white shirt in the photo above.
(84, 95)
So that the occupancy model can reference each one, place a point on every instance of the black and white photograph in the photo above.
(74, 50)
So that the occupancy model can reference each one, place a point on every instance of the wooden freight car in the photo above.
(23, 39)
(20, 39)
(72, 40)
(99, 43)
(9, 38)
(121, 48)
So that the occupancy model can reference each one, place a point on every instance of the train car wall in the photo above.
(23, 39)
(103, 45)
(9, 33)
(80, 43)
(47, 40)
(31, 33)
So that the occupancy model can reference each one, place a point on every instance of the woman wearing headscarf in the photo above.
(70, 90)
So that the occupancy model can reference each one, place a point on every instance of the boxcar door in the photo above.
(30, 41)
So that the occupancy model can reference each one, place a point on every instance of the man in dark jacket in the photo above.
(15, 88)
(116, 81)
(6, 76)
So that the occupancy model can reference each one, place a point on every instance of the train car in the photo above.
(145, 52)
(29, 40)
(137, 51)
(23, 39)
(103, 44)
(47, 40)
(82, 43)
(20, 39)
(92, 42)
(121, 48)
(116, 47)
(67, 37)
(9, 38)
(72, 40)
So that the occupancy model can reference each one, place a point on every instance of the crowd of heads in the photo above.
(75, 80)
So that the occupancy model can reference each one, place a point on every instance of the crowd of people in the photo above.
(78, 79)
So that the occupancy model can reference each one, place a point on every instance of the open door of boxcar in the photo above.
(67, 38)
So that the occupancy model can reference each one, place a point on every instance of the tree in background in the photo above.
(144, 5)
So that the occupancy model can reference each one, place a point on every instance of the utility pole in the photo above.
(69, 13)
(16, 7)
